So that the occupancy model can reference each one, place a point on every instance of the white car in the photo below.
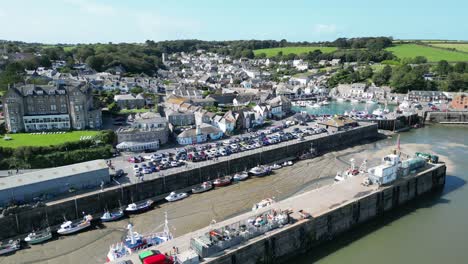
(136, 167)
(234, 146)
(223, 152)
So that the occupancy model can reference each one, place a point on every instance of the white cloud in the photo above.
(325, 29)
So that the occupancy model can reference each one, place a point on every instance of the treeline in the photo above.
(406, 76)
(35, 157)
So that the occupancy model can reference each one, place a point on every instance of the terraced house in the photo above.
(50, 107)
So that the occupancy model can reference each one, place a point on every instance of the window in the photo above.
(53, 108)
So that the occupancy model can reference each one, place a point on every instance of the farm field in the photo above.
(432, 54)
(296, 50)
(26, 139)
(457, 46)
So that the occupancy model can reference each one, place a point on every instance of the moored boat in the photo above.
(260, 171)
(241, 176)
(263, 203)
(206, 186)
(275, 166)
(223, 181)
(135, 242)
(69, 227)
(11, 246)
(173, 196)
(37, 237)
(139, 207)
(112, 216)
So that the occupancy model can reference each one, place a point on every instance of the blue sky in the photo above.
(90, 21)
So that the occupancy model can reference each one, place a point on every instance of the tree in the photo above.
(460, 67)
(13, 74)
(262, 55)
(113, 108)
(248, 54)
(420, 60)
(383, 77)
(136, 90)
(443, 67)
(95, 62)
(367, 72)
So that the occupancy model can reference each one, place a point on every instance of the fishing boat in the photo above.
(173, 196)
(241, 176)
(139, 207)
(69, 227)
(276, 166)
(263, 203)
(223, 181)
(339, 99)
(112, 216)
(37, 237)
(354, 101)
(316, 105)
(11, 246)
(135, 242)
(370, 101)
(206, 186)
(325, 103)
(260, 171)
(378, 112)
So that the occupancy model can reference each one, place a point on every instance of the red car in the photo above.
(158, 259)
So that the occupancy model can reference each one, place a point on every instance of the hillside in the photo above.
(296, 50)
(432, 54)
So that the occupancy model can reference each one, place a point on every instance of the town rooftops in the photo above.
(51, 174)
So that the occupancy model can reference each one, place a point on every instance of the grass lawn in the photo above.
(296, 50)
(26, 139)
(432, 54)
(457, 46)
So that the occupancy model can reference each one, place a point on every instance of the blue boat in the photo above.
(112, 216)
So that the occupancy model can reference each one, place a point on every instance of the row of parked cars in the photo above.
(156, 162)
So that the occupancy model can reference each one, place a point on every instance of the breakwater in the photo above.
(95, 203)
(331, 216)
(458, 117)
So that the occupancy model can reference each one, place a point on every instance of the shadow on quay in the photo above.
(424, 201)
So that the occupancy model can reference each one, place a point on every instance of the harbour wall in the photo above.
(22, 222)
(460, 117)
(305, 235)
(396, 123)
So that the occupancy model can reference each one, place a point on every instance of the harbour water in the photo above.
(431, 230)
(340, 107)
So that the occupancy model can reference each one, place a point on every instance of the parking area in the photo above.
(137, 167)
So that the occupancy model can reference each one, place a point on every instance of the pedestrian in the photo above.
(17, 170)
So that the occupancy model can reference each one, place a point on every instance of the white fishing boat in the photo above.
(173, 196)
(69, 227)
(370, 101)
(325, 103)
(378, 112)
(135, 242)
(263, 203)
(206, 186)
(241, 176)
(139, 207)
(260, 171)
(37, 237)
(355, 101)
(112, 216)
(276, 166)
(316, 105)
(11, 246)
(339, 99)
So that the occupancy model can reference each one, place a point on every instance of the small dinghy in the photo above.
(263, 203)
(37, 237)
(206, 186)
(172, 197)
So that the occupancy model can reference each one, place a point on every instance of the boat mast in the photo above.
(130, 233)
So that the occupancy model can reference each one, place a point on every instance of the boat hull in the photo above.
(73, 230)
(35, 241)
(201, 190)
(114, 217)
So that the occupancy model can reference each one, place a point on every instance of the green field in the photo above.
(296, 50)
(459, 46)
(432, 54)
(26, 139)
